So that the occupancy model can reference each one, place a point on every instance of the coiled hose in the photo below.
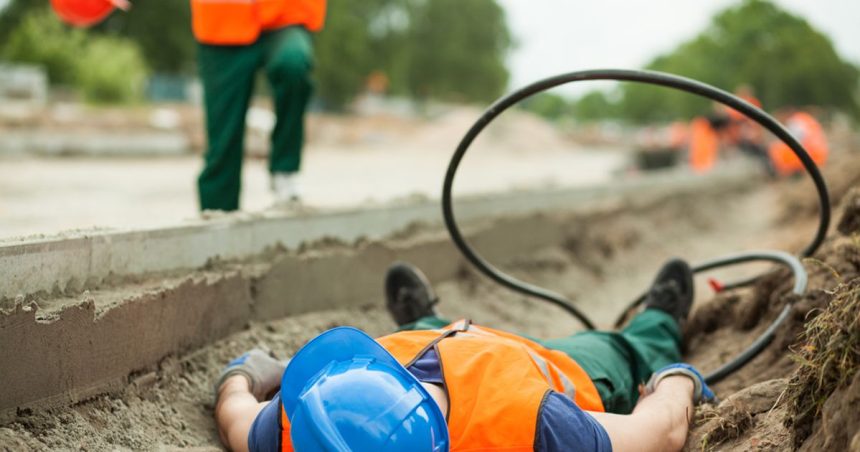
(670, 81)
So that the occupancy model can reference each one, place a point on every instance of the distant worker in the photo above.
(238, 38)
(439, 386)
(808, 131)
(727, 126)
(704, 145)
(745, 133)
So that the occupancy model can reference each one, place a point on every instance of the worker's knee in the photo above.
(290, 66)
(291, 63)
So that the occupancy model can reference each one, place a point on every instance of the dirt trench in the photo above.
(803, 391)
(603, 261)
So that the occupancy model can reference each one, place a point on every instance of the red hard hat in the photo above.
(83, 13)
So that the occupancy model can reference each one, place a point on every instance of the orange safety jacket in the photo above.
(238, 22)
(496, 383)
(811, 137)
(704, 145)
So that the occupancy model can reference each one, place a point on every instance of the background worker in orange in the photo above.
(745, 133)
(237, 38)
(808, 131)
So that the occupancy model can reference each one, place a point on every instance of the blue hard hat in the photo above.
(343, 391)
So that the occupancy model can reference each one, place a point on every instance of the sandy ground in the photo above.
(349, 161)
(606, 263)
(49, 195)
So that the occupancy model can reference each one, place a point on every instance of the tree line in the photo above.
(781, 56)
(449, 50)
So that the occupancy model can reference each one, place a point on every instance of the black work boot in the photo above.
(672, 291)
(408, 295)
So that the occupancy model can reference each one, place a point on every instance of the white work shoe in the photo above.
(285, 187)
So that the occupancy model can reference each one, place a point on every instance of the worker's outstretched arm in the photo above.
(658, 423)
(661, 419)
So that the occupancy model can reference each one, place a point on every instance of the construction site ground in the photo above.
(601, 257)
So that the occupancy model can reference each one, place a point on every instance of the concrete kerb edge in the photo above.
(53, 264)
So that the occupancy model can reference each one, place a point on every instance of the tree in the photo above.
(440, 49)
(460, 61)
(780, 55)
(162, 29)
(457, 50)
(13, 14)
(103, 68)
(594, 106)
(345, 49)
(548, 105)
(42, 40)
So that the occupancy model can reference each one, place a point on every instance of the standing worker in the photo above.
(237, 38)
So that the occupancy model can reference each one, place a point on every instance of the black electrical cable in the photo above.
(800, 283)
(648, 77)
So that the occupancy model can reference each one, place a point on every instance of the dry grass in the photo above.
(828, 356)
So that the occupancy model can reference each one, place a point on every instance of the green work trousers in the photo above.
(617, 362)
(228, 73)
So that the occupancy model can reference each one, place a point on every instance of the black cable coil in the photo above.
(670, 81)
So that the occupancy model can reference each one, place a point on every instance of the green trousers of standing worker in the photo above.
(617, 362)
(228, 74)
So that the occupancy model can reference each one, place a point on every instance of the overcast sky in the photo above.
(556, 36)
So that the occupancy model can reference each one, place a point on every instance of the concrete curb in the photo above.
(74, 262)
(53, 143)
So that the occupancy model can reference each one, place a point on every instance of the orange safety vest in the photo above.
(237, 22)
(496, 382)
(704, 145)
(812, 139)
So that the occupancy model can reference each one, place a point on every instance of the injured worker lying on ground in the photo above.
(435, 385)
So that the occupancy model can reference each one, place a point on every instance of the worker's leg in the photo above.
(235, 412)
(289, 59)
(227, 73)
(618, 362)
(656, 338)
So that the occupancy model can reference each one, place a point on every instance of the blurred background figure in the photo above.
(727, 128)
(704, 144)
(808, 131)
(236, 40)
(745, 133)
